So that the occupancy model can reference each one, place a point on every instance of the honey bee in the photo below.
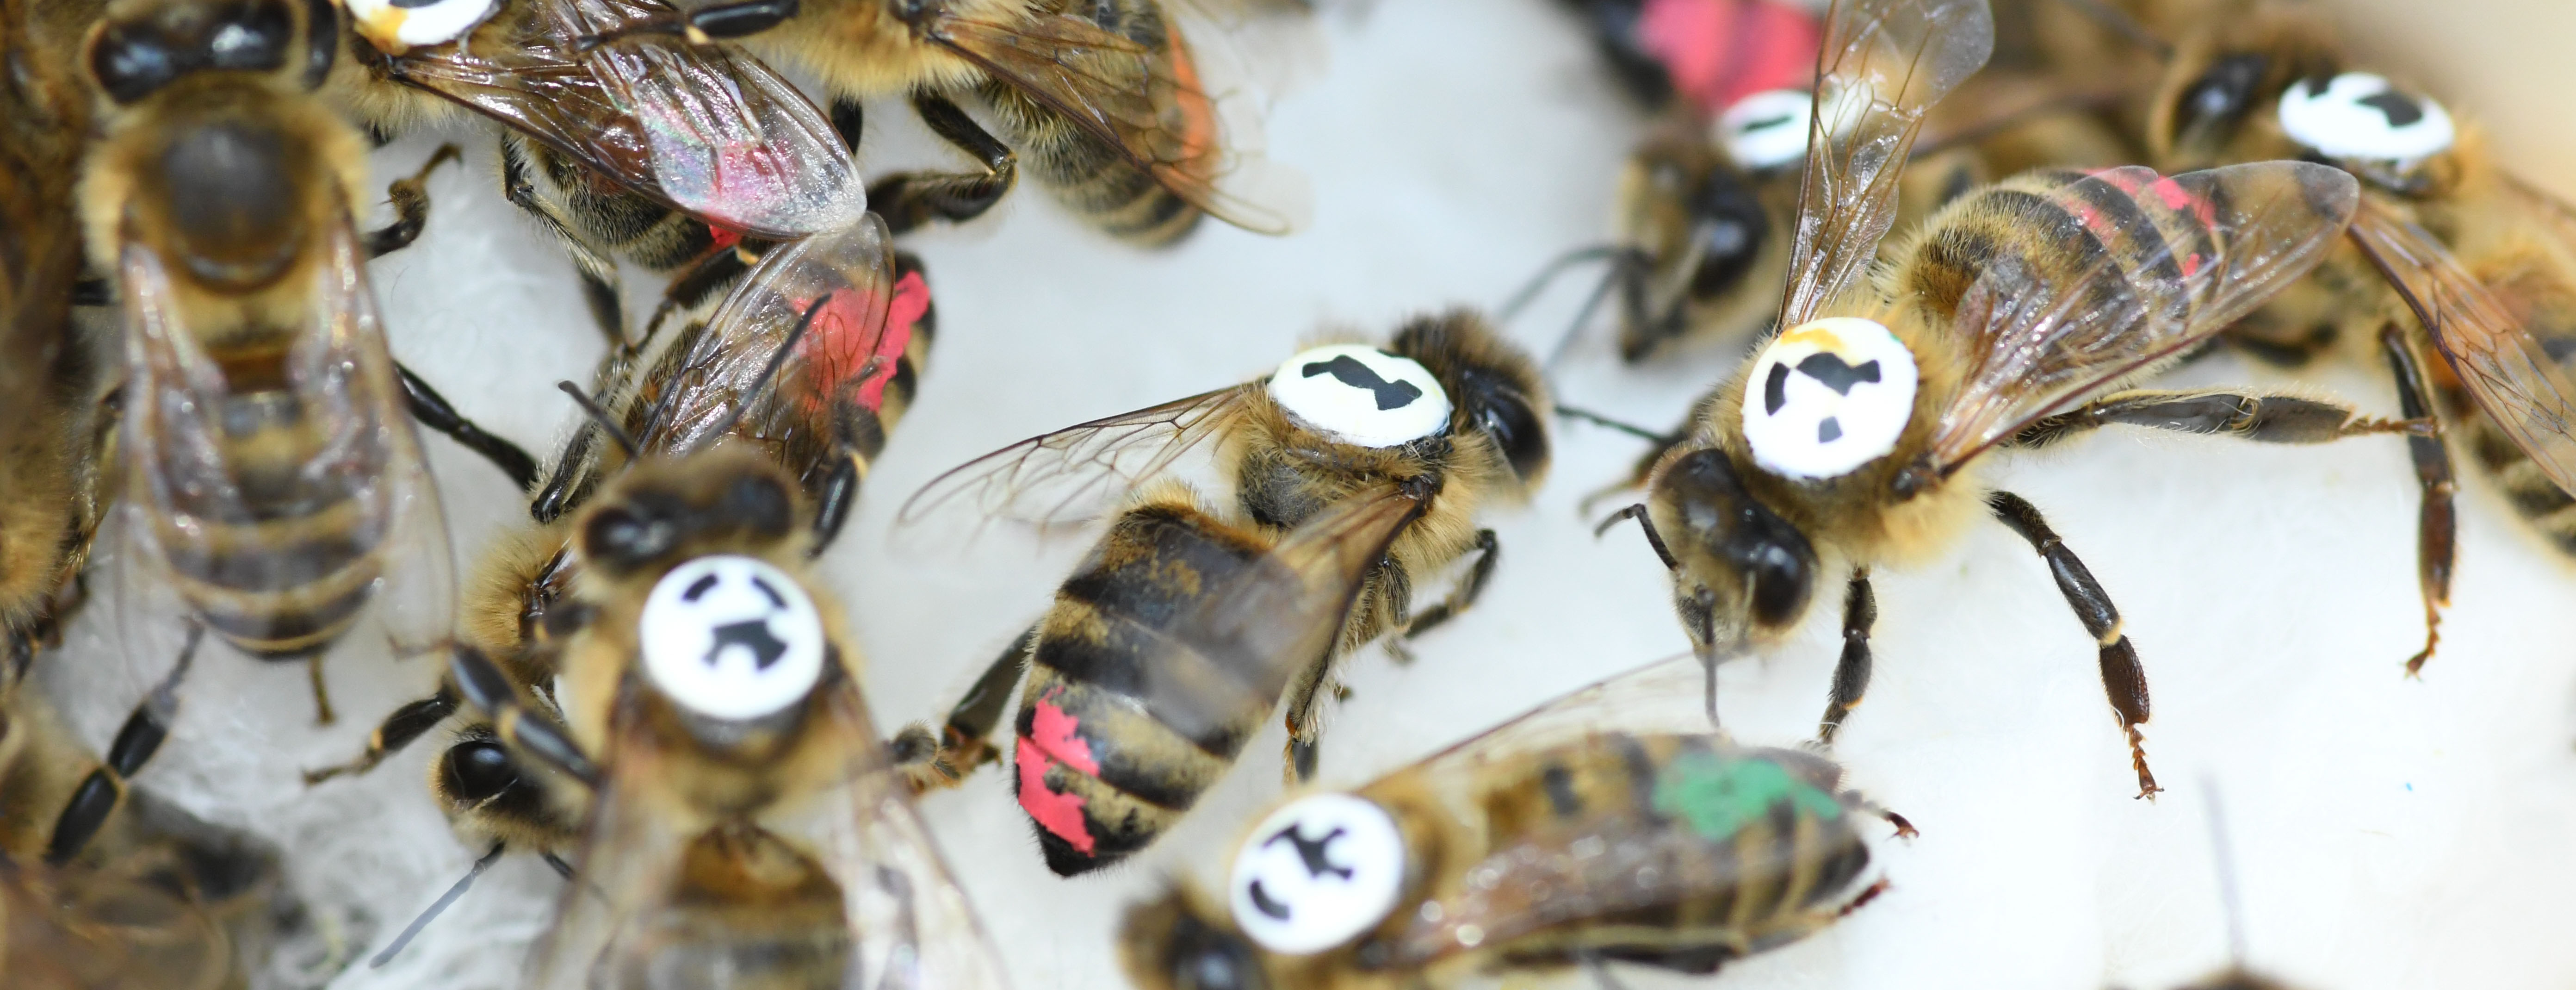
(49, 378)
(1549, 842)
(1104, 98)
(2016, 316)
(747, 826)
(1359, 471)
(810, 359)
(663, 152)
(2448, 252)
(1706, 201)
(274, 490)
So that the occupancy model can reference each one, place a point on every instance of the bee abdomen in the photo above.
(2125, 236)
(1126, 720)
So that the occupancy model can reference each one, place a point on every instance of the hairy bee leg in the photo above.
(398, 731)
(482, 683)
(1305, 718)
(2123, 680)
(1864, 897)
(432, 410)
(1462, 597)
(1851, 673)
(2436, 527)
(136, 741)
(599, 284)
(322, 714)
(909, 199)
(966, 742)
(410, 198)
(2261, 418)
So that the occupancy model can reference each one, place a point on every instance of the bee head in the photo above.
(1177, 943)
(1739, 568)
(1696, 225)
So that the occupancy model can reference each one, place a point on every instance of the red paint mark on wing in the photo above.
(1721, 51)
(911, 300)
(1059, 814)
(2191, 264)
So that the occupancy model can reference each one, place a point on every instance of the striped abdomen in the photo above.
(285, 561)
(1097, 179)
(1669, 850)
(1124, 719)
(2126, 236)
(2538, 296)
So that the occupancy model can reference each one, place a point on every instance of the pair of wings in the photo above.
(1152, 106)
(909, 924)
(704, 129)
(710, 379)
(2037, 344)
(185, 496)
(78, 928)
(1617, 860)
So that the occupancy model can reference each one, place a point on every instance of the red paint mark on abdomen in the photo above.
(1721, 51)
(911, 299)
(1059, 814)
(1054, 732)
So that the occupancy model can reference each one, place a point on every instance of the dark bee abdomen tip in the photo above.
(1067, 861)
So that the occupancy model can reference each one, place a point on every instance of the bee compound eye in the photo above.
(1828, 396)
(731, 637)
(2362, 116)
(395, 25)
(1361, 395)
(478, 770)
(1317, 873)
(1767, 129)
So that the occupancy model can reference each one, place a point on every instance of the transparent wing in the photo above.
(702, 383)
(1239, 644)
(76, 929)
(1148, 104)
(901, 921)
(2515, 380)
(1075, 474)
(189, 497)
(2204, 249)
(702, 128)
(1884, 63)
(1661, 696)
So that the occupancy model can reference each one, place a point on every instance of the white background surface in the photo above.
(2391, 833)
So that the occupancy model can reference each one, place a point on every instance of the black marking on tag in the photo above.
(1775, 390)
(1829, 431)
(698, 587)
(1261, 902)
(1349, 371)
(1828, 367)
(1765, 123)
(1312, 851)
(751, 634)
(2399, 108)
(775, 599)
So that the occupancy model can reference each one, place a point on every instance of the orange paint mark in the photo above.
(1199, 138)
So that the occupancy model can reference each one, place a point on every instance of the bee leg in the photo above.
(909, 199)
(2122, 678)
(432, 410)
(321, 692)
(712, 271)
(1306, 722)
(410, 198)
(2435, 526)
(1464, 596)
(484, 685)
(2261, 418)
(850, 121)
(1864, 897)
(1851, 673)
(1599, 969)
(598, 271)
(93, 292)
(136, 741)
(398, 730)
(965, 742)
(840, 493)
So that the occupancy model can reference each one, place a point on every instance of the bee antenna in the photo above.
(769, 373)
(599, 416)
(436, 907)
(2222, 855)
(1556, 266)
